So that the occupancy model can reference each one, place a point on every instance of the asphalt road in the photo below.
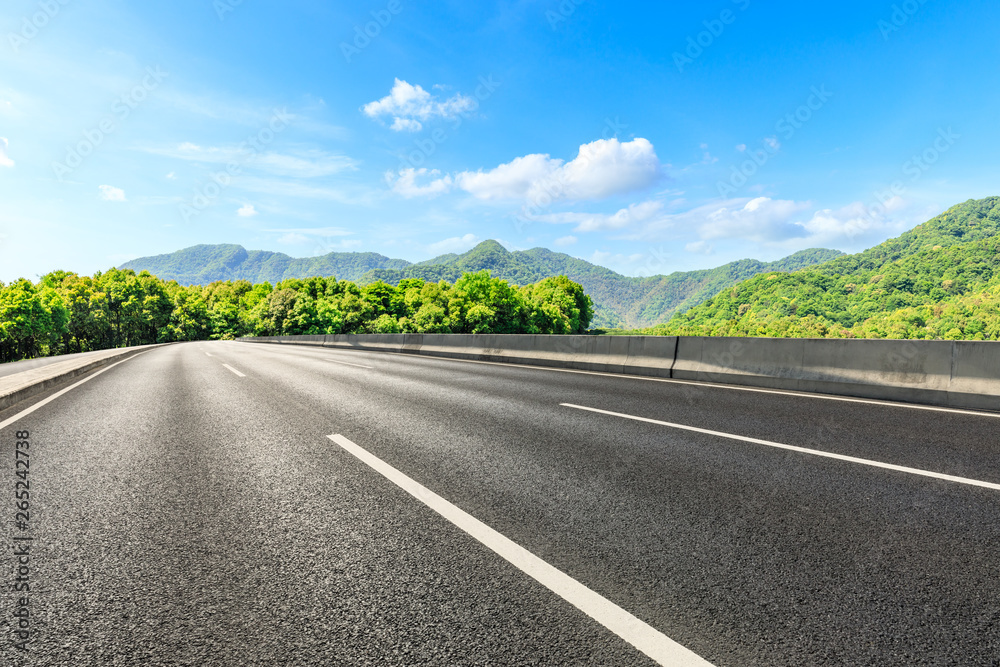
(183, 514)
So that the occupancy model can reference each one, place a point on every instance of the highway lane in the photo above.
(187, 511)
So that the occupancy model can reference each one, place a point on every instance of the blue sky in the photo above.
(648, 137)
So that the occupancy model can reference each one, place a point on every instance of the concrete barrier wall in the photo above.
(962, 374)
(639, 355)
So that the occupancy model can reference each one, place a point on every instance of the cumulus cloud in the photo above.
(596, 222)
(406, 125)
(110, 193)
(699, 248)
(601, 169)
(405, 183)
(5, 161)
(246, 211)
(856, 222)
(761, 219)
(409, 105)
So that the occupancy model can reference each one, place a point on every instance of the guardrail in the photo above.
(961, 374)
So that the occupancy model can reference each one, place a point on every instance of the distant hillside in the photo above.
(941, 279)
(618, 300)
(203, 264)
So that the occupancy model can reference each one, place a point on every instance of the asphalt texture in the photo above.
(183, 515)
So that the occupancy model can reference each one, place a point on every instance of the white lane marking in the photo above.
(24, 413)
(644, 637)
(814, 452)
(234, 370)
(334, 361)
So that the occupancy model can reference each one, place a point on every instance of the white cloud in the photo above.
(699, 248)
(565, 241)
(405, 183)
(601, 169)
(856, 222)
(742, 148)
(109, 193)
(455, 244)
(596, 222)
(171, 176)
(247, 211)
(407, 125)
(761, 219)
(408, 105)
(5, 161)
(293, 239)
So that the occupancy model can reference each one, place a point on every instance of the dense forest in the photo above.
(938, 280)
(618, 300)
(65, 312)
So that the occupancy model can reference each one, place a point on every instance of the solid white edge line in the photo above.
(346, 363)
(24, 413)
(234, 370)
(639, 634)
(778, 445)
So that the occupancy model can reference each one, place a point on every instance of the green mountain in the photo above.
(203, 264)
(941, 279)
(618, 300)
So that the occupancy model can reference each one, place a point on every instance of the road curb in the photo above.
(21, 386)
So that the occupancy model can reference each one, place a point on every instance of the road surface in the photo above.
(189, 507)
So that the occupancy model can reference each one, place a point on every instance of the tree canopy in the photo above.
(65, 312)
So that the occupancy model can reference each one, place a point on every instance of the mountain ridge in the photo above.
(940, 279)
(619, 300)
